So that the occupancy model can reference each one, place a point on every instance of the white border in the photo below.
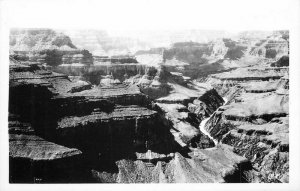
(232, 15)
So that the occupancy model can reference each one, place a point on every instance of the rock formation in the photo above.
(282, 62)
(47, 47)
(254, 121)
(57, 123)
(194, 112)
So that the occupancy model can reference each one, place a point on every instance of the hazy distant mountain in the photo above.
(101, 42)
(38, 40)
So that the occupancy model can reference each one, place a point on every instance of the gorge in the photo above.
(194, 112)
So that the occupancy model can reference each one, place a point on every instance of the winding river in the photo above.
(204, 121)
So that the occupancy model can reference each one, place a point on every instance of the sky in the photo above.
(135, 15)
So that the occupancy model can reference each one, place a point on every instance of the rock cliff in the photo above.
(48, 102)
(172, 94)
(46, 46)
(255, 118)
(64, 130)
(205, 166)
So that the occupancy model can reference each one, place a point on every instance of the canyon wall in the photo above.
(139, 122)
(64, 131)
(255, 120)
(47, 47)
(95, 73)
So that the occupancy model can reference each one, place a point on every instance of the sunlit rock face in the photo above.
(190, 52)
(190, 58)
(173, 94)
(219, 49)
(255, 120)
(272, 47)
(206, 104)
(95, 73)
(201, 166)
(195, 59)
(109, 81)
(84, 58)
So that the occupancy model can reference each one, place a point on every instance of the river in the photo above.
(204, 121)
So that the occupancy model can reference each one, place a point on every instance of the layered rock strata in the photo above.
(255, 121)
(217, 165)
(47, 102)
(48, 47)
(64, 122)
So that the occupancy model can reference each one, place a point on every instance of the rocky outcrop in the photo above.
(189, 52)
(35, 148)
(102, 123)
(41, 98)
(254, 79)
(31, 156)
(234, 50)
(119, 133)
(167, 87)
(255, 121)
(155, 82)
(215, 165)
(109, 81)
(120, 94)
(84, 58)
(80, 86)
(274, 46)
(34, 160)
(197, 60)
(206, 104)
(282, 62)
(219, 49)
(252, 73)
(265, 145)
(94, 74)
(184, 126)
(38, 39)
(173, 94)
(46, 46)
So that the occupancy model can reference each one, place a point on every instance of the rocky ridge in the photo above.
(48, 47)
(255, 119)
(62, 121)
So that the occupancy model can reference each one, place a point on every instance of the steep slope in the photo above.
(255, 120)
(62, 131)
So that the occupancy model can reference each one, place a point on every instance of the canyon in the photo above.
(194, 112)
